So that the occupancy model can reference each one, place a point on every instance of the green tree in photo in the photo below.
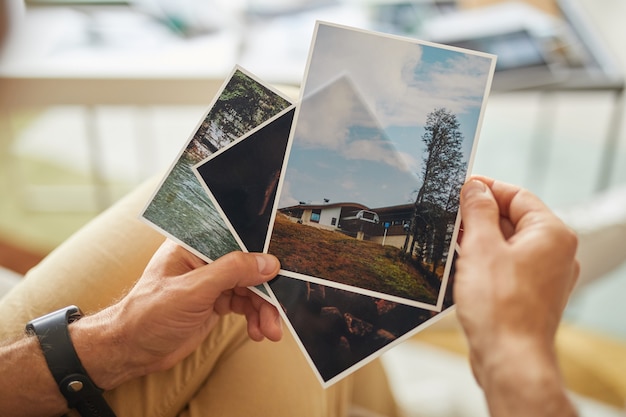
(437, 199)
(181, 207)
(242, 105)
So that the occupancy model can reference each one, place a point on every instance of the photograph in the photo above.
(340, 331)
(382, 141)
(180, 208)
(242, 179)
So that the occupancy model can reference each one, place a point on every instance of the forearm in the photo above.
(26, 386)
(161, 321)
(524, 382)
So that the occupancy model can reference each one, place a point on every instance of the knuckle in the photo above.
(569, 239)
(238, 259)
(576, 273)
(477, 204)
(558, 238)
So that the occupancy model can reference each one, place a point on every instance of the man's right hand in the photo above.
(515, 271)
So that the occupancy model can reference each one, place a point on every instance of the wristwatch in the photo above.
(68, 372)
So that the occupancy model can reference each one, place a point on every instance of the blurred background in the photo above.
(98, 95)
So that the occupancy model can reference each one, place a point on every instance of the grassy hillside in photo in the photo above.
(339, 258)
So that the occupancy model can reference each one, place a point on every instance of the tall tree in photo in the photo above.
(444, 222)
(437, 199)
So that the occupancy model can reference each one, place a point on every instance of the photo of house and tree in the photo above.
(370, 194)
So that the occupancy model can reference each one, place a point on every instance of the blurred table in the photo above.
(117, 55)
(550, 47)
(98, 56)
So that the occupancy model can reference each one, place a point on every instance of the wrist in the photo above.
(522, 377)
(99, 344)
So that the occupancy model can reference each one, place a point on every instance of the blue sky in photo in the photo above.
(358, 136)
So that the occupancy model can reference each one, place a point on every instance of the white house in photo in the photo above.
(384, 225)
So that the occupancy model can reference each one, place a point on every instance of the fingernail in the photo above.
(265, 263)
(473, 187)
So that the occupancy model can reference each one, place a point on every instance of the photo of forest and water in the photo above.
(180, 207)
(359, 202)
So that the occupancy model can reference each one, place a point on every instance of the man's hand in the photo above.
(171, 309)
(514, 274)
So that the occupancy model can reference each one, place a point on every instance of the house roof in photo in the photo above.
(325, 206)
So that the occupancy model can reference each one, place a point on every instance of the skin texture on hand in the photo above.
(514, 274)
(174, 306)
(164, 317)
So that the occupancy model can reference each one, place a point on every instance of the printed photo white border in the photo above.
(489, 72)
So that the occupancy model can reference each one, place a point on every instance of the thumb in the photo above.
(480, 213)
(238, 269)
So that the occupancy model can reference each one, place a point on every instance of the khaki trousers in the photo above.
(228, 375)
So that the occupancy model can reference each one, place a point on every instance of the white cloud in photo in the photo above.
(376, 64)
(325, 118)
(399, 79)
(336, 118)
(286, 197)
(366, 98)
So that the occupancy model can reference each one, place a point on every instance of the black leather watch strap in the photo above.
(68, 372)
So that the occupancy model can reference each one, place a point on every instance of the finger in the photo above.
(269, 322)
(502, 192)
(515, 203)
(480, 213)
(264, 323)
(253, 325)
(507, 228)
(237, 269)
(231, 302)
(521, 207)
(262, 316)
